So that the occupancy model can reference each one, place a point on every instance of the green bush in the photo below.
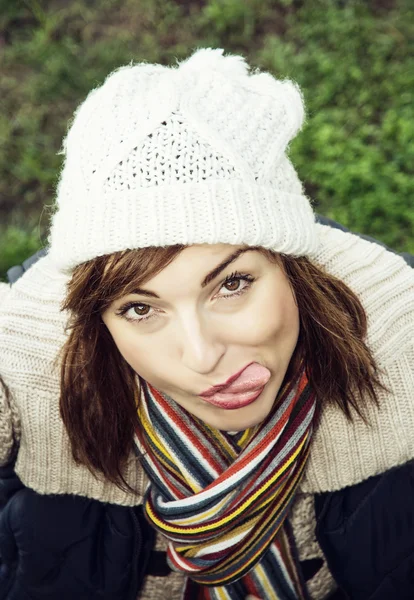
(15, 246)
(356, 154)
(353, 59)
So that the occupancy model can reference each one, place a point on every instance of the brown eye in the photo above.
(232, 285)
(137, 310)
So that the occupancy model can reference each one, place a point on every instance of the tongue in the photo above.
(254, 376)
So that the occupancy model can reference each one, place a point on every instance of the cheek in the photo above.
(127, 345)
(275, 317)
(145, 360)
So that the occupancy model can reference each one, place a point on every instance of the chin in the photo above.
(238, 419)
(235, 427)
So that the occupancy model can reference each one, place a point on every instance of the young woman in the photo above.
(198, 367)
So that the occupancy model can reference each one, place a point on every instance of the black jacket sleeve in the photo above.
(64, 547)
(366, 532)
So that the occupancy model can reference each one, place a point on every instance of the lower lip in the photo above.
(233, 401)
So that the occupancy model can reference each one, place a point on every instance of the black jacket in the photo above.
(67, 547)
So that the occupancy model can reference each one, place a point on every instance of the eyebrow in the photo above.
(208, 278)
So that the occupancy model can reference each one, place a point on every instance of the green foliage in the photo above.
(15, 246)
(356, 154)
(231, 20)
(353, 60)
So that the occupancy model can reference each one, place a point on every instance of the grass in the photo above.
(352, 59)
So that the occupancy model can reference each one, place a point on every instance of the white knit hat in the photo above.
(189, 154)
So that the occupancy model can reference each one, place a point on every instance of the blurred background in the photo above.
(354, 61)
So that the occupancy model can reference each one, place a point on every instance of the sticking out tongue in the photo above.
(254, 376)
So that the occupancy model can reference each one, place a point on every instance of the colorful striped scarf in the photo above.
(221, 500)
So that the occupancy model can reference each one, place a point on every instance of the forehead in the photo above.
(192, 269)
(206, 261)
(206, 256)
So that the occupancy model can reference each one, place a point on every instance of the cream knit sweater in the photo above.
(32, 333)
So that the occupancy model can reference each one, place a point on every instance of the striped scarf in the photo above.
(221, 500)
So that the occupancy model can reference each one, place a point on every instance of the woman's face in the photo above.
(195, 335)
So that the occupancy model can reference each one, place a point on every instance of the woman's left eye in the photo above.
(237, 278)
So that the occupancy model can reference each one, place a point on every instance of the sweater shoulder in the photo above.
(345, 453)
(4, 291)
(383, 282)
(32, 328)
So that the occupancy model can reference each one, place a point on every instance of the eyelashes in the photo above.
(236, 276)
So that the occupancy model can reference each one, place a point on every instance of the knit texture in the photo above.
(4, 290)
(303, 521)
(342, 454)
(384, 283)
(222, 499)
(32, 334)
(168, 588)
(189, 154)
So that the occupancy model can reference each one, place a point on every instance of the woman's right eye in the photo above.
(133, 312)
(137, 309)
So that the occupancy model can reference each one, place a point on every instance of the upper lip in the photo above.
(217, 388)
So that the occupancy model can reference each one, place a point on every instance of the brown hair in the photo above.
(99, 395)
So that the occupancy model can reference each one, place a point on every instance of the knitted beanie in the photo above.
(190, 154)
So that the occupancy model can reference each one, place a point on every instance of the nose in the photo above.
(201, 346)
